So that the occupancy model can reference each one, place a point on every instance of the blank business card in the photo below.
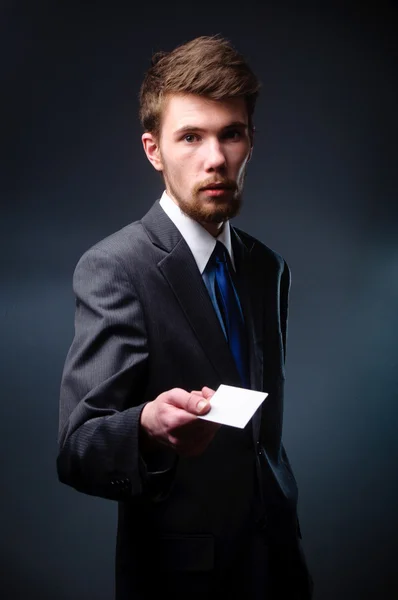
(233, 406)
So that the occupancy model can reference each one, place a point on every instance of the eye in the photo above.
(233, 134)
(190, 138)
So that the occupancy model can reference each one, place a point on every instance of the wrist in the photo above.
(147, 441)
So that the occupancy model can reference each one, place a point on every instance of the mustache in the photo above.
(220, 181)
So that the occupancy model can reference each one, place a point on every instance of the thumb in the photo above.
(198, 403)
(202, 405)
(194, 402)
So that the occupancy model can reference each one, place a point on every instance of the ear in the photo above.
(152, 150)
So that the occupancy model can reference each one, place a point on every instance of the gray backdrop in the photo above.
(321, 190)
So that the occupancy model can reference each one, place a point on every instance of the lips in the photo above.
(217, 186)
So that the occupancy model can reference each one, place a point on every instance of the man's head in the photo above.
(196, 107)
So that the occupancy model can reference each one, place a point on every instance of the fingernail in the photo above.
(200, 405)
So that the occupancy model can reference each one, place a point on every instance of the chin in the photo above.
(219, 216)
(227, 211)
(211, 211)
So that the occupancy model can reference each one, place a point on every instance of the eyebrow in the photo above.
(194, 128)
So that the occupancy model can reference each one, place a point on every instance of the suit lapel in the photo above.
(180, 270)
(251, 297)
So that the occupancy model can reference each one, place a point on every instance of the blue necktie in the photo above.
(230, 309)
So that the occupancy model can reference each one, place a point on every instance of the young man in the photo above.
(167, 309)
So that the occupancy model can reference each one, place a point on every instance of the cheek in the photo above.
(238, 158)
(179, 171)
(240, 164)
(183, 160)
(188, 165)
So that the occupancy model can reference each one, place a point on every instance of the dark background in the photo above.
(321, 190)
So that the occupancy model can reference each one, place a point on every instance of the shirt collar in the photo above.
(200, 241)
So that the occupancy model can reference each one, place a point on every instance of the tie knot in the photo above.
(220, 252)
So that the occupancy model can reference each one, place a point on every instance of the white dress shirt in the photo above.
(199, 240)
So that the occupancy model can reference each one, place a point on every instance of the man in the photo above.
(167, 309)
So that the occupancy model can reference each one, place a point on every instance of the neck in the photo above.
(213, 228)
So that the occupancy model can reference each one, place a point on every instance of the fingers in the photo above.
(171, 420)
(202, 407)
(192, 402)
(207, 392)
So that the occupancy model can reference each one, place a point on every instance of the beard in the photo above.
(207, 209)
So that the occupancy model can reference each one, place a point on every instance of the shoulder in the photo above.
(119, 253)
(120, 244)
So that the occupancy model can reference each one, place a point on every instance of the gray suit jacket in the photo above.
(145, 324)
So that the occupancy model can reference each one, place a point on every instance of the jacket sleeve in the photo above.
(284, 307)
(103, 386)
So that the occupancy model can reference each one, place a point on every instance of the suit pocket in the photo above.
(194, 553)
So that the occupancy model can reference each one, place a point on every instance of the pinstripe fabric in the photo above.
(144, 324)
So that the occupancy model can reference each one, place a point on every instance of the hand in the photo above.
(171, 420)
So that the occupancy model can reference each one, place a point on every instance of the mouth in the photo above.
(217, 192)
(217, 187)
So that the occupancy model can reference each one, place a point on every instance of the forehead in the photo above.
(180, 110)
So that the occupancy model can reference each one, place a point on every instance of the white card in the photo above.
(233, 406)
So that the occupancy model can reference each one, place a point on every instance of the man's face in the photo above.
(202, 153)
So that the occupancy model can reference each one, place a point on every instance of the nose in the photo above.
(214, 156)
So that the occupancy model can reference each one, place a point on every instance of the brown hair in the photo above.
(208, 66)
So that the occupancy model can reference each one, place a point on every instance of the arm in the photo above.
(103, 384)
(112, 443)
